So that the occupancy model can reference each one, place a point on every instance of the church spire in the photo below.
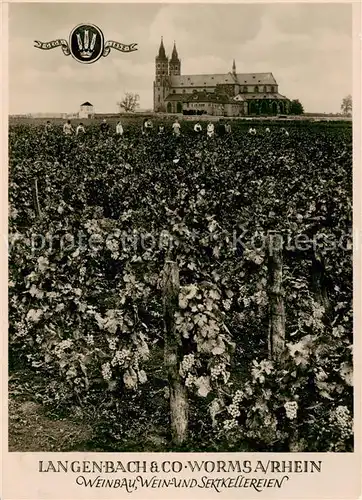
(161, 52)
(234, 67)
(174, 52)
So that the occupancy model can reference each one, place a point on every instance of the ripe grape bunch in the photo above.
(234, 411)
(230, 424)
(106, 371)
(342, 418)
(238, 396)
(218, 370)
(123, 356)
(21, 329)
(190, 380)
(291, 408)
(187, 364)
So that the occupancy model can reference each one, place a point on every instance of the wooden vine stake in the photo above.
(277, 316)
(276, 340)
(173, 355)
(36, 198)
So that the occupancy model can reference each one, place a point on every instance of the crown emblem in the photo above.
(86, 49)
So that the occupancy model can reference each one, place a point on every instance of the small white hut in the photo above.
(86, 110)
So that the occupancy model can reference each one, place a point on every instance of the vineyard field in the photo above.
(155, 280)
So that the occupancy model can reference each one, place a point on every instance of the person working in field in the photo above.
(119, 129)
(147, 126)
(80, 130)
(227, 128)
(67, 128)
(176, 128)
(143, 128)
(197, 128)
(161, 129)
(210, 130)
(48, 127)
(104, 127)
(252, 131)
(221, 128)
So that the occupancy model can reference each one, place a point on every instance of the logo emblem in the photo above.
(86, 44)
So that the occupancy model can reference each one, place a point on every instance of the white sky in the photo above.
(308, 48)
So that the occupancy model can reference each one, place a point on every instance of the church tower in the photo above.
(161, 83)
(175, 63)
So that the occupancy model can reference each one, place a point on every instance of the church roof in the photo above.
(249, 97)
(201, 97)
(175, 97)
(86, 104)
(228, 78)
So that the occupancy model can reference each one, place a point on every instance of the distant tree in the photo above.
(346, 106)
(296, 107)
(129, 103)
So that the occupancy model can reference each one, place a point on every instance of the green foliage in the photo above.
(346, 105)
(85, 298)
(296, 107)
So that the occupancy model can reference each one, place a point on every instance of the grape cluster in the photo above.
(186, 364)
(342, 418)
(291, 408)
(89, 339)
(112, 344)
(190, 380)
(230, 424)
(106, 371)
(234, 411)
(21, 328)
(121, 356)
(238, 396)
(220, 370)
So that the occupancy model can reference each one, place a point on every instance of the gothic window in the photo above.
(245, 88)
(265, 88)
(256, 90)
(174, 91)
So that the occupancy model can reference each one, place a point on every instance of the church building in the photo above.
(229, 94)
